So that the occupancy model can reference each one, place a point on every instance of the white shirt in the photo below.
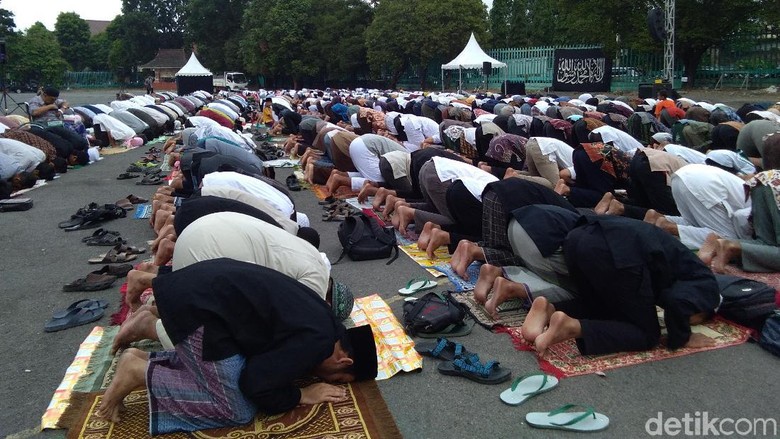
(557, 151)
(712, 186)
(254, 186)
(123, 105)
(245, 238)
(417, 129)
(118, 130)
(28, 157)
(201, 121)
(621, 139)
(473, 178)
(690, 155)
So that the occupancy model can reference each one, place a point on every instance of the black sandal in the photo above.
(127, 176)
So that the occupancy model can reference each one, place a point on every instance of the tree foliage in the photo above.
(7, 23)
(36, 55)
(339, 31)
(73, 35)
(168, 17)
(217, 41)
(133, 42)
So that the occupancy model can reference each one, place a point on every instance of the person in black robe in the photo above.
(623, 269)
(242, 334)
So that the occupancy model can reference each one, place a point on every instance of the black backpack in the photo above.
(433, 313)
(364, 239)
(770, 335)
(745, 301)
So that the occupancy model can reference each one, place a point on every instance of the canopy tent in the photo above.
(193, 77)
(471, 57)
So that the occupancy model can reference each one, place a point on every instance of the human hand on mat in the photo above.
(699, 341)
(322, 392)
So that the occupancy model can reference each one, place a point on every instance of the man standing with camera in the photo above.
(47, 106)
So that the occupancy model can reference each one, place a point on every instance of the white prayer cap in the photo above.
(662, 137)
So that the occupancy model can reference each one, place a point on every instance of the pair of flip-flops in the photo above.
(150, 180)
(292, 183)
(119, 254)
(127, 176)
(569, 417)
(417, 285)
(92, 215)
(92, 282)
(77, 314)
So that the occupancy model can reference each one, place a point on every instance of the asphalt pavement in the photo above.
(37, 258)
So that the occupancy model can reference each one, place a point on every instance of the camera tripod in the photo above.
(5, 97)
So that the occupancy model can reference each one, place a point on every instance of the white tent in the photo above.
(193, 76)
(471, 57)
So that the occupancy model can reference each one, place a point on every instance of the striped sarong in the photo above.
(187, 393)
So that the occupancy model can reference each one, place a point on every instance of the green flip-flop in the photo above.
(417, 285)
(528, 386)
(564, 419)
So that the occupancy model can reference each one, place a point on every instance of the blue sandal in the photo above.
(470, 367)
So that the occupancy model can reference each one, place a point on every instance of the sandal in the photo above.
(129, 249)
(562, 419)
(127, 176)
(83, 303)
(333, 217)
(149, 181)
(106, 240)
(115, 270)
(136, 200)
(441, 349)
(528, 386)
(75, 317)
(93, 282)
(125, 204)
(98, 233)
(417, 285)
(470, 367)
(112, 257)
(292, 183)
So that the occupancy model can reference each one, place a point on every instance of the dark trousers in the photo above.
(592, 182)
(648, 189)
(619, 312)
(466, 212)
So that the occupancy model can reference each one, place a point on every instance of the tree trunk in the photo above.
(691, 60)
(397, 74)
(423, 77)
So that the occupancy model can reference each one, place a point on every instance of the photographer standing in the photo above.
(47, 106)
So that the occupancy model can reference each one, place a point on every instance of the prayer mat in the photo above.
(143, 211)
(114, 150)
(363, 414)
(564, 359)
(511, 314)
(38, 183)
(421, 258)
(394, 348)
(458, 282)
(281, 163)
(341, 193)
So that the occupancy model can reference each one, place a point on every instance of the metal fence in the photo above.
(99, 80)
(744, 60)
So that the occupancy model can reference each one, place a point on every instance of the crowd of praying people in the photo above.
(586, 208)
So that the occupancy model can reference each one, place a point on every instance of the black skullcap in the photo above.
(51, 91)
(363, 348)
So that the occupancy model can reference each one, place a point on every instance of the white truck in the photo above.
(233, 81)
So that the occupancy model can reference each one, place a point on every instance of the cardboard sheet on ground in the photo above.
(143, 211)
(38, 183)
(353, 201)
(395, 350)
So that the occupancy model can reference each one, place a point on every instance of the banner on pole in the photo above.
(582, 70)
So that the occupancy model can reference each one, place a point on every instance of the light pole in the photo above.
(669, 7)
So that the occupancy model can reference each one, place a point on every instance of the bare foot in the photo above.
(708, 249)
(147, 267)
(727, 251)
(141, 326)
(667, 226)
(405, 216)
(651, 216)
(487, 274)
(335, 181)
(160, 219)
(165, 251)
(137, 282)
(561, 188)
(425, 235)
(438, 238)
(561, 328)
(389, 206)
(616, 208)
(503, 290)
(130, 375)
(165, 231)
(537, 319)
(603, 205)
(466, 253)
(379, 198)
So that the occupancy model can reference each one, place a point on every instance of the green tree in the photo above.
(168, 18)
(277, 39)
(500, 20)
(217, 41)
(99, 50)
(133, 41)
(7, 24)
(73, 35)
(391, 42)
(36, 56)
(340, 32)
